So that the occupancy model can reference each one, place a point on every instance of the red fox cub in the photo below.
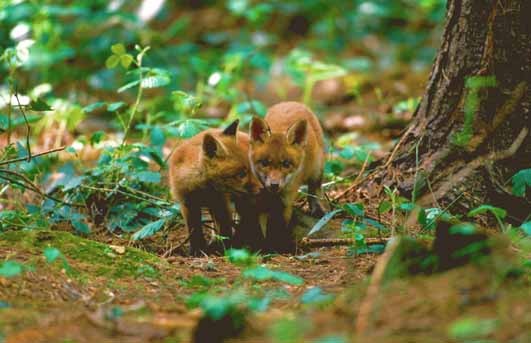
(203, 172)
(286, 152)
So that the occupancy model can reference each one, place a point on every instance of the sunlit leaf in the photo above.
(10, 269)
(51, 254)
(126, 60)
(526, 227)
(521, 181)
(323, 221)
(149, 229)
(81, 226)
(498, 212)
(114, 106)
(118, 49)
(315, 295)
(155, 81)
(112, 61)
(128, 85)
(354, 209)
(94, 106)
(148, 176)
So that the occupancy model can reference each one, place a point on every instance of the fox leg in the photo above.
(222, 216)
(192, 218)
(248, 233)
(279, 234)
(314, 198)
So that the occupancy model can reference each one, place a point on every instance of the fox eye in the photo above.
(242, 174)
(286, 163)
(264, 162)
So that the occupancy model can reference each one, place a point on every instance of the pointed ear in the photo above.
(212, 147)
(259, 130)
(232, 128)
(297, 133)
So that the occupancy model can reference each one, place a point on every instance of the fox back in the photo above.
(211, 160)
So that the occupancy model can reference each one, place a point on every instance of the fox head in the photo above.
(225, 163)
(277, 157)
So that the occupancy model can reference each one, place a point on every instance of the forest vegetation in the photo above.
(424, 107)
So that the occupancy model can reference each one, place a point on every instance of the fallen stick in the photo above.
(332, 242)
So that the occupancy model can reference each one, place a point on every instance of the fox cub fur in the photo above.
(204, 171)
(286, 152)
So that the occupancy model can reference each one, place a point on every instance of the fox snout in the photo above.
(274, 181)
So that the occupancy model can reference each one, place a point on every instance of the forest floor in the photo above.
(107, 289)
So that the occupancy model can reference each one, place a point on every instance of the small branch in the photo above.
(29, 185)
(28, 158)
(332, 242)
(365, 309)
(355, 182)
(28, 128)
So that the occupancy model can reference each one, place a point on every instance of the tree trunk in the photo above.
(470, 132)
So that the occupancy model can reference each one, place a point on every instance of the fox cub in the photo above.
(286, 152)
(205, 171)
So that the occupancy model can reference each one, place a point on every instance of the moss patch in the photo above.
(96, 258)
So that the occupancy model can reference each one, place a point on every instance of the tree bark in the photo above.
(483, 70)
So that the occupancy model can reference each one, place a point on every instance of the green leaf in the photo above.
(262, 274)
(148, 176)
(472, 328)
(10, 269)
(323, 221)
(94, 106)
(149, 229)
(155, 81)
(407, 207)
(112, 61)
(128, 85)
(157, 136)
(384, 206)
(463, 229)
(73, 183)
(496, 211)
(118, 49)
(114, 106)
(81, 226)
(239, 257)
(96, 137)
(51, 254)
(521, 181)
(354, 209)
(315, 295)
(39, 105)
(526, 227)
(126, 60)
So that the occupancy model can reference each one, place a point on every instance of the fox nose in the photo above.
(274, 186)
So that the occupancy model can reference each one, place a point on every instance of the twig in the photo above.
(331, 242)
(28, 128)
(29, 185)
(102, 189)
(356, 180)
(362, 320)
(20, 159)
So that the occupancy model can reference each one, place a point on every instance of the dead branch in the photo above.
(28, 158)
(331, 242)
(362, 320)
(356, 181)
(28, 128)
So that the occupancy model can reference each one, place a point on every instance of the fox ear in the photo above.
(232, 128)
(212, 147)
(259, 130)
(297, 133)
